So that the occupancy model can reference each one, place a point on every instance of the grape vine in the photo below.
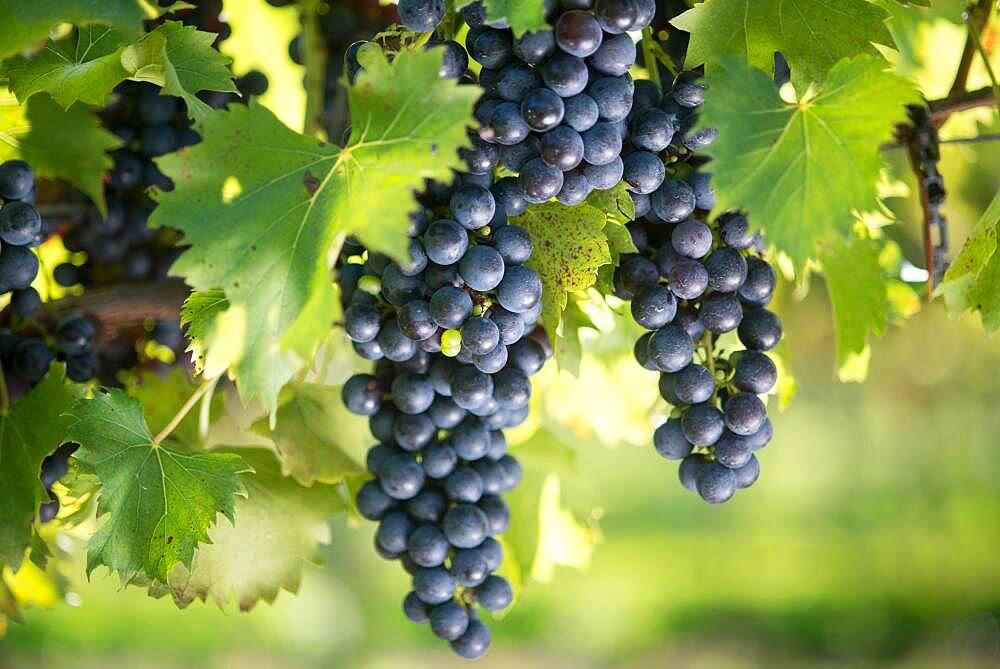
(371, 302)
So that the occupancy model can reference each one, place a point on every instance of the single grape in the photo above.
(540, 182)
(562, 148)
(615, 56)
(727, 270)
(673, 201)
(755, 373)
(542, 109)
(671, 349)
(732, 450)
(748, 474)
(578, 33)
(744, 413)
(449, 621)
(653, 307)
(644, 172)
(760, 329)
(703, 424)
(465, 525)
(670, 442)
(721, 312)
(473, 207)
(566, 75)
(716, 484)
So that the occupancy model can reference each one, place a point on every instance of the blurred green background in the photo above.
(871, 540)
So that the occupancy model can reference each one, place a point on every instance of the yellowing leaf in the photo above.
(570, 245)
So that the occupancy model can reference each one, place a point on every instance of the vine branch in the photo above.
(977, 17)
(118, 307)
(927, 215)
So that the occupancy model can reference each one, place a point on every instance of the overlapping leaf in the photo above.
(161, 502)
(801, 170)
(281, 525)
(973, 280)
(68, 144)
(30, 431)
(261, 216)
(813, 35)
(316, 437)
(86, 65)
(522, 15)
(857, 288)
(181, 60)
(27, 22)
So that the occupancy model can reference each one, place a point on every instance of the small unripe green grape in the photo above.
(451, 343)
(370, 284)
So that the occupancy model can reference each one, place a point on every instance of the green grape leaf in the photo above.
(857, 288)
(200, 314)
(522, 15)
(973, 280)
(161, 501)
(570, 245)
(84, 67)
(801, 170)
(26, 23)
(69, 144)
(317, 439)
(813, 35)
(32, 429)
(261, 207)
(181, 60)
(281, 525)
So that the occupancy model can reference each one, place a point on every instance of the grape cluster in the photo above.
(557, 101)
(22, 228)
(692, 281)
(926, 154)
(453, 331)
(454, 335)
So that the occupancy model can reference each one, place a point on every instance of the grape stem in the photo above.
(706, 343)
(649, 56)
(205, 387)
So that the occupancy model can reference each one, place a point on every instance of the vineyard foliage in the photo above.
(230, 501)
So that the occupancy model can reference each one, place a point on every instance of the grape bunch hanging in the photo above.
(691, 282)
